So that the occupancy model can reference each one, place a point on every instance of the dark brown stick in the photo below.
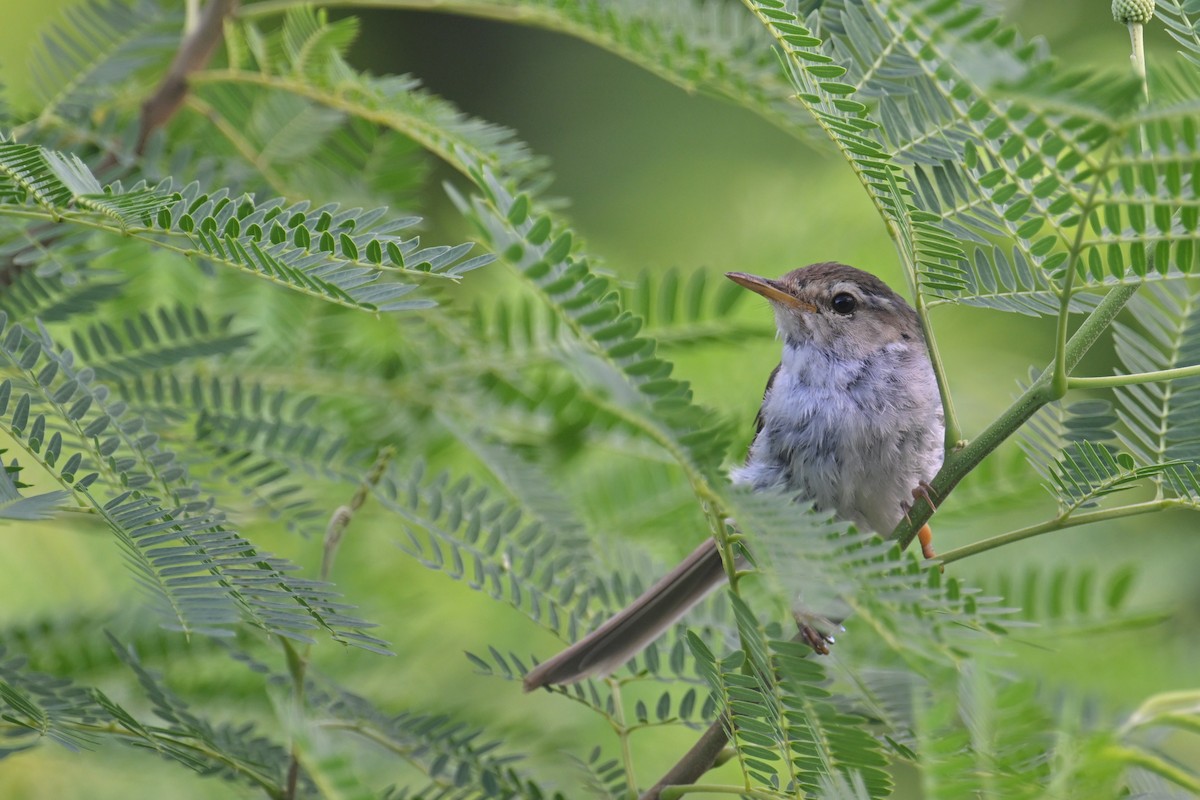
(194, 52)
(695, 762)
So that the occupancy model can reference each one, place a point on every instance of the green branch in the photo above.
(959, 463)
(1063, 522)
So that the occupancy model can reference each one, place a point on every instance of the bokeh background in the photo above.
(654, 178)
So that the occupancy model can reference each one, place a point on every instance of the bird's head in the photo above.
(843, 310)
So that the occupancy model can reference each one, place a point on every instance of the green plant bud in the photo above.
(1128, 11)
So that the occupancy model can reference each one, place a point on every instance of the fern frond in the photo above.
(347, 257)
(251, 438)
(1161, 420)
(13, 505)
(1060, 425)
(815, 565)
(37, 705)
(600, 776)
(84, 59)
(460, 529)
(815, 72)
(1009, 282)
(1075, 601)
(678, 312)
(148, 342)
(54, 298)
(620, 362)
(1086, 472)
(1182, 22)
(787, 734)
(989, 732)
(305, 61)
(699, 46)
(458, 765)
(1045, 152)
(204, 573)
(233, 751)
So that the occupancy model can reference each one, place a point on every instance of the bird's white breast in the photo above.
(853, 435)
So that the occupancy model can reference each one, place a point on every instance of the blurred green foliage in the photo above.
(653, 178)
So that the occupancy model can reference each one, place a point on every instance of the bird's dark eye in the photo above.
(844, 303)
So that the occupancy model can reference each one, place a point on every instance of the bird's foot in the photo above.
(924, 492)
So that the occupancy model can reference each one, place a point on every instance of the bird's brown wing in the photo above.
(758, 418)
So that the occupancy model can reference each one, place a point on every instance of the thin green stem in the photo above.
(1137, 56)
(953, 429)
(1058, 381)
(618, 725)
(1160, 767)
(1110, 381)
(298, 660)
(675, 792)
(1060, 523)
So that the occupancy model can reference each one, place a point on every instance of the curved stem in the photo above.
(1109, 381)
(1060, 523)
(1152, 763)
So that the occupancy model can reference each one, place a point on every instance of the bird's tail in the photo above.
(644, 620)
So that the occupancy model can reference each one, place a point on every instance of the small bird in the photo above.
(851, 420)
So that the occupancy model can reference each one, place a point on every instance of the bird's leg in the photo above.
(925, 536)
(812, 635)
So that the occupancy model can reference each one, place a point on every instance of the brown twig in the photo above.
(695, 762)
(194, 52)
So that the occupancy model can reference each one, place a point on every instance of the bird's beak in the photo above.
(770, 290)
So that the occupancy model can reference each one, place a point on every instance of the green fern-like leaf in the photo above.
(347, 257)
(235, 752)
(787, 734)
(817, 567)
(304, 67)
(84, 59)
(204, 573)
(1086, 472)
(1162, 420)
(685, 312)
(15, 506)
(150, 342)
(622, 363)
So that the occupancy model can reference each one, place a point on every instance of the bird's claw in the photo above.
(923, 491)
